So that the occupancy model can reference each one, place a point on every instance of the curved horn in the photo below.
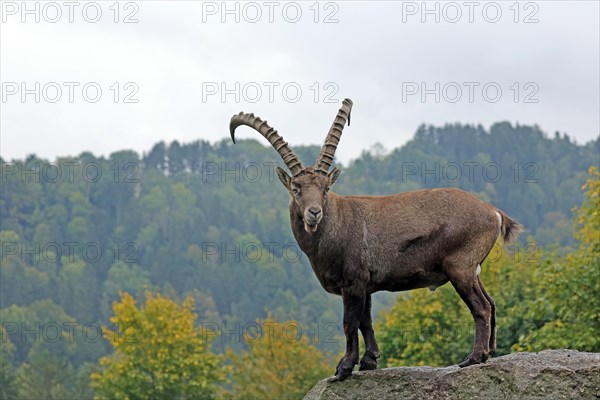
(289, 158)
(325, 158)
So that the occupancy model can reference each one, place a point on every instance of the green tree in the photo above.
(26, 327)
(569, 285)
(77, 290)
(8, 386)
(125, 277)
(46, 376)
(20, 283)
(159, 353)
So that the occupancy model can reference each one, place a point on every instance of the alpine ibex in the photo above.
(358, 245)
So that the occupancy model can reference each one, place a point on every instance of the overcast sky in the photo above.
(292, 64)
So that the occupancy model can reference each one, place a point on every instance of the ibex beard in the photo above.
(359, 245)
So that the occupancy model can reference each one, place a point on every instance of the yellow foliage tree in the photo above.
(280, 363)
(159, 353)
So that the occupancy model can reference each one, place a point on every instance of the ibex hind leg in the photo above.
(468, 286)
(492, 318)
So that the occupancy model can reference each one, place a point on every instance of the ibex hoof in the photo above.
(367, 363)
(472, 360)
(343, 373)
(343, 370)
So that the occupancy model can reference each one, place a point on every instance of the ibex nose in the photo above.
(314, 211)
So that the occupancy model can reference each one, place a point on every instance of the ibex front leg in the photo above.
(354, 303)
(369, 359)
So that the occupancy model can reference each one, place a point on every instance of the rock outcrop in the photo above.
(550, 374)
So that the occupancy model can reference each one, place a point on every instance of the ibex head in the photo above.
(308, 186)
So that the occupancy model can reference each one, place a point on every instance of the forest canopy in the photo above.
(207, 226)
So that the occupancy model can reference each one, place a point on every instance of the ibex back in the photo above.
(358, 245)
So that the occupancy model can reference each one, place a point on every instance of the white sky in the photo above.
(376, 54)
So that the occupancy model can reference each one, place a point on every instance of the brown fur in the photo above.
(423, 238)
(358, 245)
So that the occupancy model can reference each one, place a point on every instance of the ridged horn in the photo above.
(325, 158)
(289, 157)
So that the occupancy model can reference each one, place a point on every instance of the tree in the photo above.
(569, 285)
(8, 386)
(77, 290)
(280, 363)
(46, 376)
(20, 282)
(425, 328)
(42, 324)
(159, 353)
(125, 277)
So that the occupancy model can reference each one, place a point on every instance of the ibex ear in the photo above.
(333, 175)
(284, 178)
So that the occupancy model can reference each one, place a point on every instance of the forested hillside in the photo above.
(211, 221)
